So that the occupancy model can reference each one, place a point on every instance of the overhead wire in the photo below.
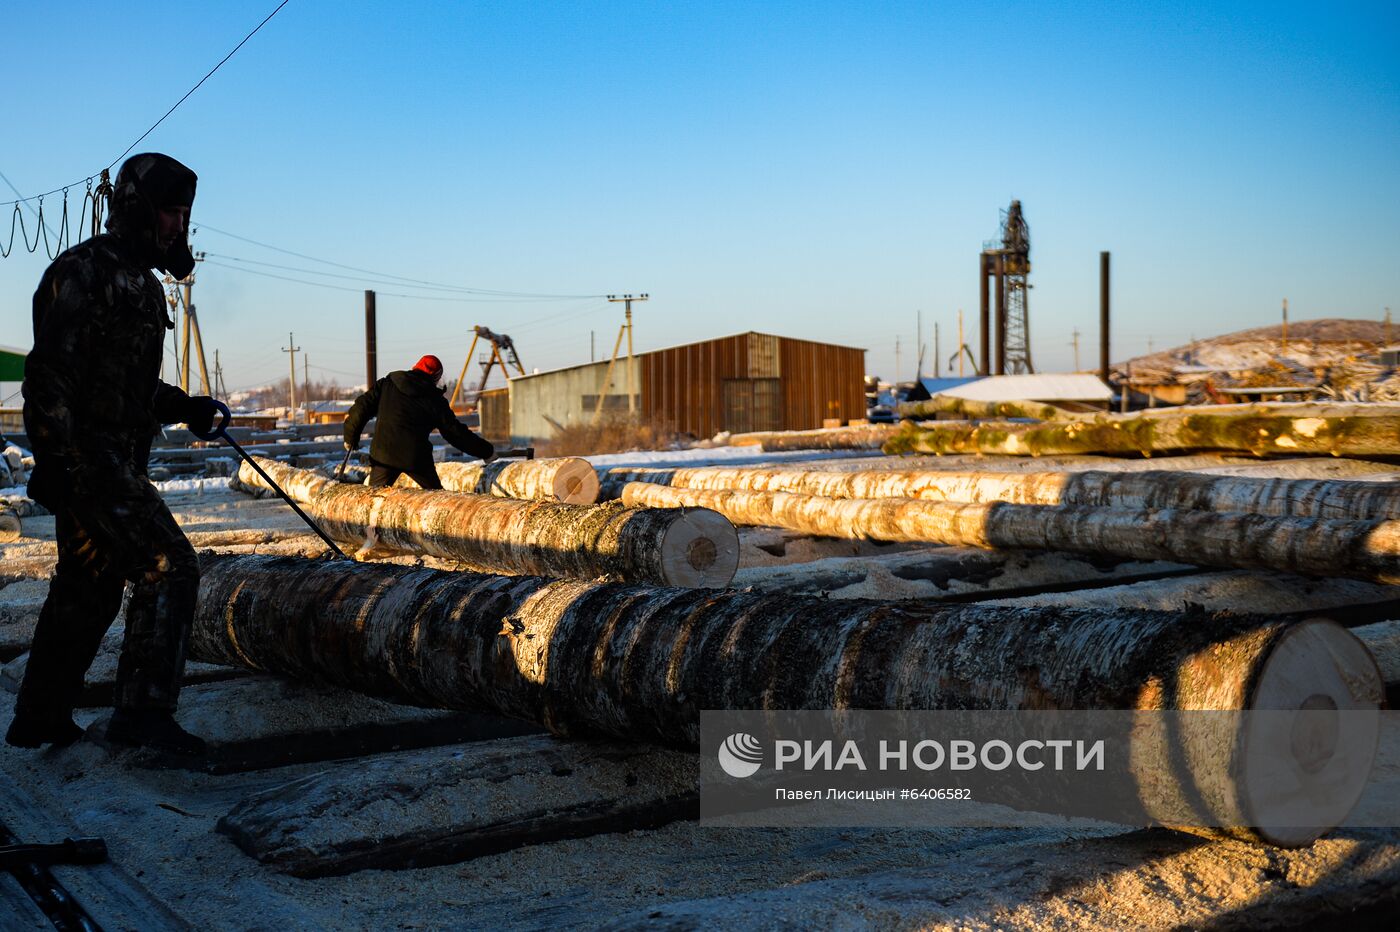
(167, 113)
(386, 275)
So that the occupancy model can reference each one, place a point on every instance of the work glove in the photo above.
(200, 413)
(352, 446)
(489, 457)
(50, 481)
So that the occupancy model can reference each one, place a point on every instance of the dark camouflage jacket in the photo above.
(92, 382)
(409, 406)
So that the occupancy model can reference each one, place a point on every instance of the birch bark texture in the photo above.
(692, 547)
(858, 437)
(1318, 498)
(967, 408)
(1335, 430)
(589, 658)
(1367, 550)
(566, 479)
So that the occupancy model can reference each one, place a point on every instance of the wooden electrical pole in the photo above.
(627, 299)
(292, 349)
(937, 370)
(1075, 343)
(220, 390)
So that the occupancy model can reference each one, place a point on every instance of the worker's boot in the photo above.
(32, 729)
(155, 729)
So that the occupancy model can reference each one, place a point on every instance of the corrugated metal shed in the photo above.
(749, 381)
(565, 397)
(1052, 386)
(752, 381)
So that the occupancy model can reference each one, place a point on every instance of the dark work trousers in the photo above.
(381, 475)
(113, 528)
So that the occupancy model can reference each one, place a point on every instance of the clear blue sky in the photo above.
(815, 169)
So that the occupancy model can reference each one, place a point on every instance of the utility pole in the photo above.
(919, 345)
(961, 343)
(1284, 348)
(220, 390)
(1075, 343)
(627, 299)
(306, 379)
(937, 370)
(292, 349)
(897, 366)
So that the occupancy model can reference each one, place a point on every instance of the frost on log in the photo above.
(1317, 498)
(1367, 550)
(695, 547)
(565, 479)
(1337, 430)
(587, 658)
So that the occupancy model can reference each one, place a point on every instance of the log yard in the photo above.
(552, 466)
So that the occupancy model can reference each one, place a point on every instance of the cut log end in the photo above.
(576, 482)
(700, 550)
(10, 529)
(1306, 760)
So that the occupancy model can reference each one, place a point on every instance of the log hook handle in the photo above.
(220, 432)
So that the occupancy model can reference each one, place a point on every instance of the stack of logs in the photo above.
(582, 655)
(1324, 528)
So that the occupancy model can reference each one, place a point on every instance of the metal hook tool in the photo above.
(221, 433)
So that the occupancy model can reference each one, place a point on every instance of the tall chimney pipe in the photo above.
(371, 348)
(1001, 313)
(1103, 316)
(984, 366)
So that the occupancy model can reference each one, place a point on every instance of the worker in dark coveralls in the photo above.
(410, 405)
(93, 400)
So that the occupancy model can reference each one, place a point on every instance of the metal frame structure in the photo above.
(1009, 264)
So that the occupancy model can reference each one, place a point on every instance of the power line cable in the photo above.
(415, 297)
(385, 275)
(167, 113)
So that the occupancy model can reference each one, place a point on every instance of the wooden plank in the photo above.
(107, 892)
(446, 805)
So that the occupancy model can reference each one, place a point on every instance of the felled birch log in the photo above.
(967, 408)
(565, 479)
(695, 547)
(860, 437)
(10, 527)
(586, 658)
(1318, 498)
(1319, 547)
(1342, 430)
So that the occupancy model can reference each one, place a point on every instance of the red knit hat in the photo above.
(430, 366)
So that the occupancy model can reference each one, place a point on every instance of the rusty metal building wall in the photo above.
(684, 387)
(821, 381)
(493, 406)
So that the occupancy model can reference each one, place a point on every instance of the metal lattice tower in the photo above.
(1016, 262)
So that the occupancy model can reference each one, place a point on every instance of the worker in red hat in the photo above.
(410, 405)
